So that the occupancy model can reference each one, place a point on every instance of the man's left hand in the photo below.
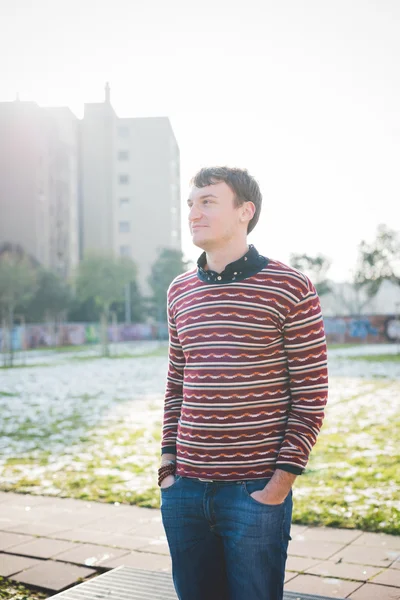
(265, 497)
(276, 489)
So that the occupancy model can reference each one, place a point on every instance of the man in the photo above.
(245, 397)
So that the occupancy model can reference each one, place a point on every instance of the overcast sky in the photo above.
(305, 94)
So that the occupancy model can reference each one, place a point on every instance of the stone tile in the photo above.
(388, 577)
(9, 540)
(299, 563)
(90, 555)
(36, 528)
(396, 564)
(53, 576)
(344, 570)
(117, 524)
(379, 540)
(322, 586)
(14, 499)
(376, 557)
(142, 560)
(297, 529)
(157, 546)
(289, 576)
(328, 534)
(154, 529)
(104, 538)
(11, 564)
(43, 548)
(313, 549)
(16, 513)
(369, 591)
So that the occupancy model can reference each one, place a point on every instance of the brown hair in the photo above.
(243, 185)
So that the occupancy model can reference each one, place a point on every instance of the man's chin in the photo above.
(200, 241)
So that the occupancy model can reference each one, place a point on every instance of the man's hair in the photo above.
(243, 185)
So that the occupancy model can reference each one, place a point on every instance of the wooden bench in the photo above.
(128, 583)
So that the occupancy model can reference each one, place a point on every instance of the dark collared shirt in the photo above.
(250, 264)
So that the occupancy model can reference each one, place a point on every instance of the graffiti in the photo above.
(392, 329)
(369, 329)
(373, 329)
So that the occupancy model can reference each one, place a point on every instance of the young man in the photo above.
(245, 397)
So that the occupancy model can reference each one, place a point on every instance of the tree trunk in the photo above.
(105, 350)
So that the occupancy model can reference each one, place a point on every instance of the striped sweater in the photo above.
(247, 377)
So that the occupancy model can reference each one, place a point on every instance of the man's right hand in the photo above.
(167, 481)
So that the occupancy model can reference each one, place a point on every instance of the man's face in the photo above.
(214, 220)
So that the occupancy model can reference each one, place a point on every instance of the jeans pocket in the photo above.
(170, 487)
(252, 486)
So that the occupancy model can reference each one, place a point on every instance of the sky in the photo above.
(304, 94)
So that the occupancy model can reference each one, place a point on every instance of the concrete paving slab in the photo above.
(117, 524)
(322, 586)
(300, 563)
(379, 540)
(91, 555)
(368, 555)
(313, 549)
(344, 570)
(369, 591)
(142, 560)
(53, 576)
(328, 534)
(396, 564)
(388, 577)
(43, 548)
(36, 528)
(159, 546)
(11, 564)
(105, 538)
(9, 540)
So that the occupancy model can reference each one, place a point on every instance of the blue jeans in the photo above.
(224, 544)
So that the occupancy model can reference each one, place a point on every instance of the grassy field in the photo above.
(93, 432)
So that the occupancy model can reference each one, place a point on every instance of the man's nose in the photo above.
(194, 213)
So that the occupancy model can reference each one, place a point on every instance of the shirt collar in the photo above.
(246, 266)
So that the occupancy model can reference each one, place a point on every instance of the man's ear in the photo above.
(248, 211)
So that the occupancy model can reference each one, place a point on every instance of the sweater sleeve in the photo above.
(305, 345)
(174, 388)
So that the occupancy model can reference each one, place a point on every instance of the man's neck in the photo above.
(218, 259)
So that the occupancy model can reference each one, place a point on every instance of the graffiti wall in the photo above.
(76, 334)
(375, 329)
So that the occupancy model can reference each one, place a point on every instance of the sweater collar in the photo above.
(246, 266)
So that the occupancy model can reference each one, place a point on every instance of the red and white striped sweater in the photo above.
(247, 379)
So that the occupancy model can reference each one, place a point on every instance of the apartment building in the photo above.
(130, 186)
(103, 184)
(39, 183)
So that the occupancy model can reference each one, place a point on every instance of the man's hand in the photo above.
(276, 489)
(167, 481)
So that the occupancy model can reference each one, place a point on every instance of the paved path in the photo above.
(53, 542)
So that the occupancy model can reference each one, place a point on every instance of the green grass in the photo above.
(349, 345)
(352, 479)
(163, 351)
(377, 357)
(10, 590)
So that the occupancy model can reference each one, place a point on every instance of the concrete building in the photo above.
(130, 186)
(38, 183)
(104, 184)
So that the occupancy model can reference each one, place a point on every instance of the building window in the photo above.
(124, 227)
(123, 179)
(125, 201)
(123, 155)
(125, 251)
(123, 132)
